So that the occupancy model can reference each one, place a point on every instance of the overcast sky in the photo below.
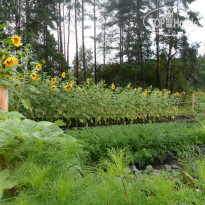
(199, 34)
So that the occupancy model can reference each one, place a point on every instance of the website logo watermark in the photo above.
(168, 22)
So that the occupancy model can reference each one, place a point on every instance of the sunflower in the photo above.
(140, 89)
(113, 86)
(9, 62)
(63, 75)
(53, 87)
(68, 87)
(33, 76)
(44, 62)
(16, 40)
(53, 80)
(38, 67)
(38, 80)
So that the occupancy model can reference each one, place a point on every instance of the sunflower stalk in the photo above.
(24, 79)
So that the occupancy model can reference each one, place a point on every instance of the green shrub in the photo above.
(145, 142)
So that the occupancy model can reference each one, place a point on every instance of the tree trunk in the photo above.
(27, 22)
(76, 43)
(95, 53)
(83, 42)
(60, 30)
(60, 36)
(104, 44)
(159, 77)
(19, 26)
(68, 46)
(64, 50)
(140, 44)
(128, 41)
(170, 56)
(169, 65)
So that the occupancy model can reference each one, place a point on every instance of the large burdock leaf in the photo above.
(6, 181)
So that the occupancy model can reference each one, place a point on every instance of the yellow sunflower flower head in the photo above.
(38, 67)
(38, 80)
(53, 80)
(33, 76)
(53, 87)
(140, 89)
(113, 86)
(44, 62)
(16, 40)
(9, 62)
(68, 87)
(63, 75)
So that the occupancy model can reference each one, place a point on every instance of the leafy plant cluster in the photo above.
(95, 104)
(49, 168)
(147, 143)
(199, 102)
(19, 135)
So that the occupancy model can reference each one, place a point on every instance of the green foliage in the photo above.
(95, 104)
(6, 181)
(146, 143)
(51, 169)
(15, 136)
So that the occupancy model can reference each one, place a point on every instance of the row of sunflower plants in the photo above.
(57, 98)
(40, 97)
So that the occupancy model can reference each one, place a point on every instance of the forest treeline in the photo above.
(130, 52)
